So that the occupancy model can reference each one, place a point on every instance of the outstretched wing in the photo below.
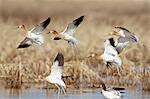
(39, 28)
(25, 43)
(56, 69)
(70, 29)
(120, 46)
(129, 36)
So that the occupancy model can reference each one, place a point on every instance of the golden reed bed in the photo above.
(26, 65)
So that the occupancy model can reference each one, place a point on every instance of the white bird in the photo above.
(110, 93)
(68, 33)
(55, 76)
(34, 35)
(110, 55)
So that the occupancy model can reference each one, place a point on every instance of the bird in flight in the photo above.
(34, 35)
(68, 33)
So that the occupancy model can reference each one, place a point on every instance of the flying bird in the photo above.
(34, 35)
(55, 76)
(110, 93)
(68, 33)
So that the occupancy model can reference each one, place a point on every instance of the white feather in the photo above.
(36, 38)
(70, 39)
(111, 55)
(111, 94)
(56, 75)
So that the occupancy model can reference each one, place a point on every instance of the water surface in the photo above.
(33, 93)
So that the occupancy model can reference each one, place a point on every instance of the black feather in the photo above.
(57, 38)
(117, 88)
(46, 22)
(23, 46)
(122, 28)
(78, 20)
(60, 59)
(112, 42)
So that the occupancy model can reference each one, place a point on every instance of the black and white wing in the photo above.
(56, 69)
(70, 29)
(129, 36)
(39, 28)
(25, 43)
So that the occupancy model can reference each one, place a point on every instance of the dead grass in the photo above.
(25, 65)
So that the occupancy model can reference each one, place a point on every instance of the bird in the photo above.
(124, 35)
(110, 93)
(34, 35)
(110, 55)
(68, 33)
(55, 76)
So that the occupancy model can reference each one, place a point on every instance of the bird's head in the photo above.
(118, 31)
(53, 32)
(56, 34)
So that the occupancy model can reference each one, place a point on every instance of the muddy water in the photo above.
(33, 93)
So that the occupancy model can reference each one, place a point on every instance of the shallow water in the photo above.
(33, 93)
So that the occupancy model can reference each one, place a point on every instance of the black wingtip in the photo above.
(78, 20)
(46, 22)
(60, 59)
(23, 46)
